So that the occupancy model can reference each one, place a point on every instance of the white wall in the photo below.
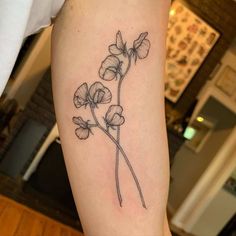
(216, 215)
(188, 166)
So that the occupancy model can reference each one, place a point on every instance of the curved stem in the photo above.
(118, 135)
(123, 154)
(121, 80)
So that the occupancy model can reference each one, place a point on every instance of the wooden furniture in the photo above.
(19, 220)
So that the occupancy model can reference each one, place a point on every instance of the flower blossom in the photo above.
(96, 94)
(84, 128)
(114, 116)
(141, 47)
(110, 68)
(81, 96)
(119, 47)
(99, 94)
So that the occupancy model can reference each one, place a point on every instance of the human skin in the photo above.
(80, 39)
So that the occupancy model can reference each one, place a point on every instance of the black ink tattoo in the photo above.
(114, 67)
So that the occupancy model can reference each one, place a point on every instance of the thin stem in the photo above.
(121, 80)
(118, 134)
(123, 154)
(92, 125)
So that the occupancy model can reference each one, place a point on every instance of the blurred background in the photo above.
(200, 91)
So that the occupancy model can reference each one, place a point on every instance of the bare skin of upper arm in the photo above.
(108, 69)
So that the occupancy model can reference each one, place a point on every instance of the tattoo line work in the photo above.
(114, 67)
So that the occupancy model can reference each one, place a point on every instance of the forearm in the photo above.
(117, 165)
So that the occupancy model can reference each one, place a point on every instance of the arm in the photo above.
(107, 67)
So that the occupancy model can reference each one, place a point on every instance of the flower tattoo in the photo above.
(141, 47)
(119, 47)
(81, 96)
(99, 94)
(84, 128)
(96, 94)
(114, 116)
(114, 67)
(110, 68)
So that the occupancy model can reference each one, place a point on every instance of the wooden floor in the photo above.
(19, 220)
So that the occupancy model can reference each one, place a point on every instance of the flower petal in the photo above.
(113, 116)
(143, 49)
(98, 96)
(110, 61)
(109, 74)
(112, 110)
(113, 49)
(79, 121)
(117, 120)
(140, 39)
(82, 133)
(81, 96)
(107, 96)
(94, 88)
(99, 93)
(119, 41)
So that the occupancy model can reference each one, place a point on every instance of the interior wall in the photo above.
(39, 108)
(216, 215)
(188, 165)
(31, 70)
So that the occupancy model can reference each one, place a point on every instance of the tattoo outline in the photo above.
(112, 68)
